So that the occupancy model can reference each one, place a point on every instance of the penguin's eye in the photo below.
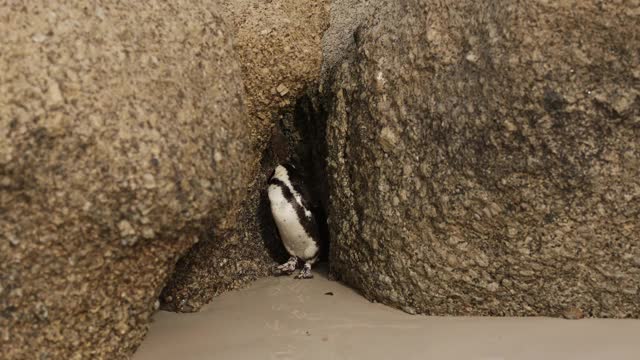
(272, 174)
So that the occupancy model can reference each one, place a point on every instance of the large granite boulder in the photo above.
(484, 158)
(123, 136)
(279, 44)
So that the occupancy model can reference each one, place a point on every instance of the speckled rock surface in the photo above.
(122, 136)
(279, 44)
(484, 158)
(338, 40)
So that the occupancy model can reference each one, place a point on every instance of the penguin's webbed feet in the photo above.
(287, 268)
(305, 273)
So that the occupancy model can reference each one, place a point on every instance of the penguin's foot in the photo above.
(289, 267)
(305, 273)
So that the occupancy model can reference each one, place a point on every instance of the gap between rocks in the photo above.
(230, 260)
(303, 133)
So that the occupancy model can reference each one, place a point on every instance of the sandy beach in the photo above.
(283, 318)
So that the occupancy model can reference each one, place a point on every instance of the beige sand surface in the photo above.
(283, 318)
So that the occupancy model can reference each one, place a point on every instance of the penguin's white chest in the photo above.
(294, 237)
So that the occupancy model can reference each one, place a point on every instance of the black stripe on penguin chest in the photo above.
(308, 223)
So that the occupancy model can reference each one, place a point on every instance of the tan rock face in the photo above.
(483, 159)
(279, 44)
(122, 137)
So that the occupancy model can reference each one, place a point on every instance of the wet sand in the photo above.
(283, 318)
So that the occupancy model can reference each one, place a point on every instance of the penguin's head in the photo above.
(282, 171)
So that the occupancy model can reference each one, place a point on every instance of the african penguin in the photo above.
(296, 223)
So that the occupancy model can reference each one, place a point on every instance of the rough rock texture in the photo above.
(338, 40)
(484, 158)
(279, 44)
(229, 259)
(122, 136)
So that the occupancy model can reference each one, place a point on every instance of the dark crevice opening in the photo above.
(299, 137)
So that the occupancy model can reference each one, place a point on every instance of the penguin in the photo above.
(297, 224)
